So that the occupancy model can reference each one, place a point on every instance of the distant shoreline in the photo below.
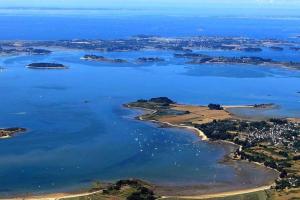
(186, 54)
(46, 66)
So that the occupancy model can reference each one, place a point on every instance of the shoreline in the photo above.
(225, 158)
(6, 133)
(53, 196)
(221, 194)
(5, 137)
(64, 196)
(200, 134)
(60, 68)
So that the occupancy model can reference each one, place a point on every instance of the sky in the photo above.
(151, 3)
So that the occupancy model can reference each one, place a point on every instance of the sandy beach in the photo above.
(63, 196)
(222, 194)
(54, 196)
(197, 131)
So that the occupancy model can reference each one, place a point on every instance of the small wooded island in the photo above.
(102, 59)
(274, 143)
(9, 132)
(46, 66)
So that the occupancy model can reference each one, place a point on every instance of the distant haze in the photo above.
(214, 7)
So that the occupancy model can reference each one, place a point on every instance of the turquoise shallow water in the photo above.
(78, 130)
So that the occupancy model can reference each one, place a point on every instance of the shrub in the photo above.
(212, 106)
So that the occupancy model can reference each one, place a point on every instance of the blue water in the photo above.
(44, 27)
(78, 130)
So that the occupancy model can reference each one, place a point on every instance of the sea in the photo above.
(80, 132)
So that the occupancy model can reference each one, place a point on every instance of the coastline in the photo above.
(227, 160)
(5, 137)
(60, 68)
(221, 194)
(65, 196)
(6, 133)
(54, 196)
(200, 133)
(211, 194)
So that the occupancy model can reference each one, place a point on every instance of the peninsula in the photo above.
(11, 49)
(274, 143)
(2, 69)
(102, 59)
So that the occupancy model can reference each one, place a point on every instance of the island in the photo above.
(251, 49)
(196, 58)
(46, 66)
(34, 51)
(150, 59)
(30, 51)
(275, 48)
(102, 59)
(9, 132)
(274, 142)
(265, 106)
(295, 48)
